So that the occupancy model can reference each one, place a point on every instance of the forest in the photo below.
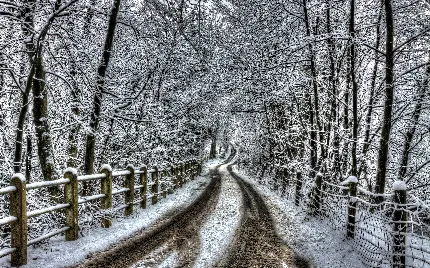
(307, 88)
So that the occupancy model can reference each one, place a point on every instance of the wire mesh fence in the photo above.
(391, 233)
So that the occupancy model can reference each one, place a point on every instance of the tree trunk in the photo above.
(90, 145)
(74, 131)
(312, 108)
(366, 143)
(354, 89)
(420, 99)
(75, 106)
(388, 105)
(212, 153)
(333, 119)
(28, 158)
(27, 13)
(17, 159)
(41, 123)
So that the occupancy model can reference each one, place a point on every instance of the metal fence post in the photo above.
(352, 206)
(154, 188)
(143, 180)
(18, 209)
(71, 196)
(129, 195)
(106, 189)
(399, 228)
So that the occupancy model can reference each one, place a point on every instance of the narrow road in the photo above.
(255, 243)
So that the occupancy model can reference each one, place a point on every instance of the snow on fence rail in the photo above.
(393, 233)
(163, 182)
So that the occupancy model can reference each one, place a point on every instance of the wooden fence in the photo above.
(159, 188)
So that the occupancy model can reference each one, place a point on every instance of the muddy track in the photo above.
(178, 233)
(256, 243)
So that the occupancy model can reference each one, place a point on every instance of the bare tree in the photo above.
(90, 146)
(388, 104)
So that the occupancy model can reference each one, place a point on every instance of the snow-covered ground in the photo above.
(59, 253)
(308, 236)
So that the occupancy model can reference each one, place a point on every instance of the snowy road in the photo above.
(256, 241)
(229, 225)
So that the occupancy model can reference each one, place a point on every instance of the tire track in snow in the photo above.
(218, 231)
(256, 243)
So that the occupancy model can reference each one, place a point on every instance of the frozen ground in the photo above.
(59, 253)
(309, 237)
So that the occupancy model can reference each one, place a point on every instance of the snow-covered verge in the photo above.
(59, 253)
(308, 236)
(219, 230)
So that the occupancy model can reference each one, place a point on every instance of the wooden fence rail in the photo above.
(18, 218)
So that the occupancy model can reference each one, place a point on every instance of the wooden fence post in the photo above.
(154, 188)
(299, 184)
(173, 180)
(18, 209)
(163, 183)
(143, 180)
(129, 195)
(106, 201)
(176, 176)
(399, 228)
(352, 206)
(180, 174)
(317, 194)
(193, 169)
(182, 170)
(187, 171)
(71, 196)
(200, 167)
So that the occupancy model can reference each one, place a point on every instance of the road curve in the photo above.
(255, 243)
(178, 233)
